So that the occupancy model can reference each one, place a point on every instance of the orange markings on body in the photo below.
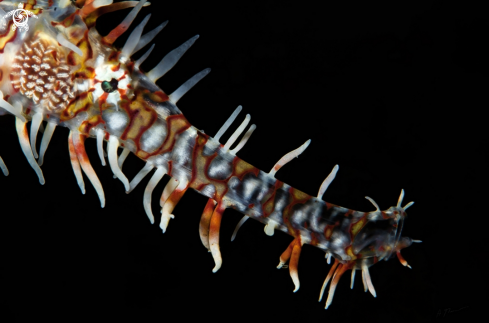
(297, 197)
(356, 227)
(205, 222)
(90, 15)
(87, 53)
(87, 125)
(241, 168)
(8, 36)
(81, 102)
(67, 22)
(349, 252)
(328, 231)
(141, 116)
(269, 205)
(176, 125)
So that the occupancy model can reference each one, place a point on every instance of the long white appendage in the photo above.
(46, 138)
(170, 60)
(75, 164)
(288, 157)
(240, 223)
(364, 281)
(185, 87)
(327, 181)
(87, 167)
(26, 148)
(237, 133)
(122, 158)
(100, 145)
(160, 171)
(352, 277)
(134, 38)
(35, 123)
(327, 279)
(171, 202)
(373, 203)
(243, 140)
(169, 188)
(112, 152)
(142, 173)
(144, 57)
(16, 111)
(146, 38)
(228, 123)
(66, 43)
(124, 25)
(3, 167)
(368, 280)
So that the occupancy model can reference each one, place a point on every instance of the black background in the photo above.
(393, 93)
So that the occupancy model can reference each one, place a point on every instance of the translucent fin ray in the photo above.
(134, 38)
(171, 203)
(21, 128)
(148, 37)
(170, 60)
(228, 123)
(288, 157)
(78, 141)
(46, 139)
(148, 191)
(205, 221)
(240, 223)
(35, 124)
(214, 227)
(185, 87)
(237, 132)
(113, 162)
(75, 164)
(124, 25)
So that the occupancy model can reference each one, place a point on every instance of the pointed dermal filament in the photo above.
(144, 57)
(100, 145)
(327, 181)
(401, 197)
(113, 162)
(35, 124)
(3, 167)
(124, 25)
(352, 277)
(134, 38)
(146, 38)
(328, 277)
(46, 138)
(240, 223)
(408, 205)
(288, 157)
(244, 140)
(237, 133)
(170, 60)
(368, 280)
(402, 260)
(228, 123)
(185, 87)
(148, 191)
(373, 202)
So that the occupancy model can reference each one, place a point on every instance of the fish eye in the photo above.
(110, 86)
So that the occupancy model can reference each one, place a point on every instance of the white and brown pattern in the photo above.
(40, 72)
